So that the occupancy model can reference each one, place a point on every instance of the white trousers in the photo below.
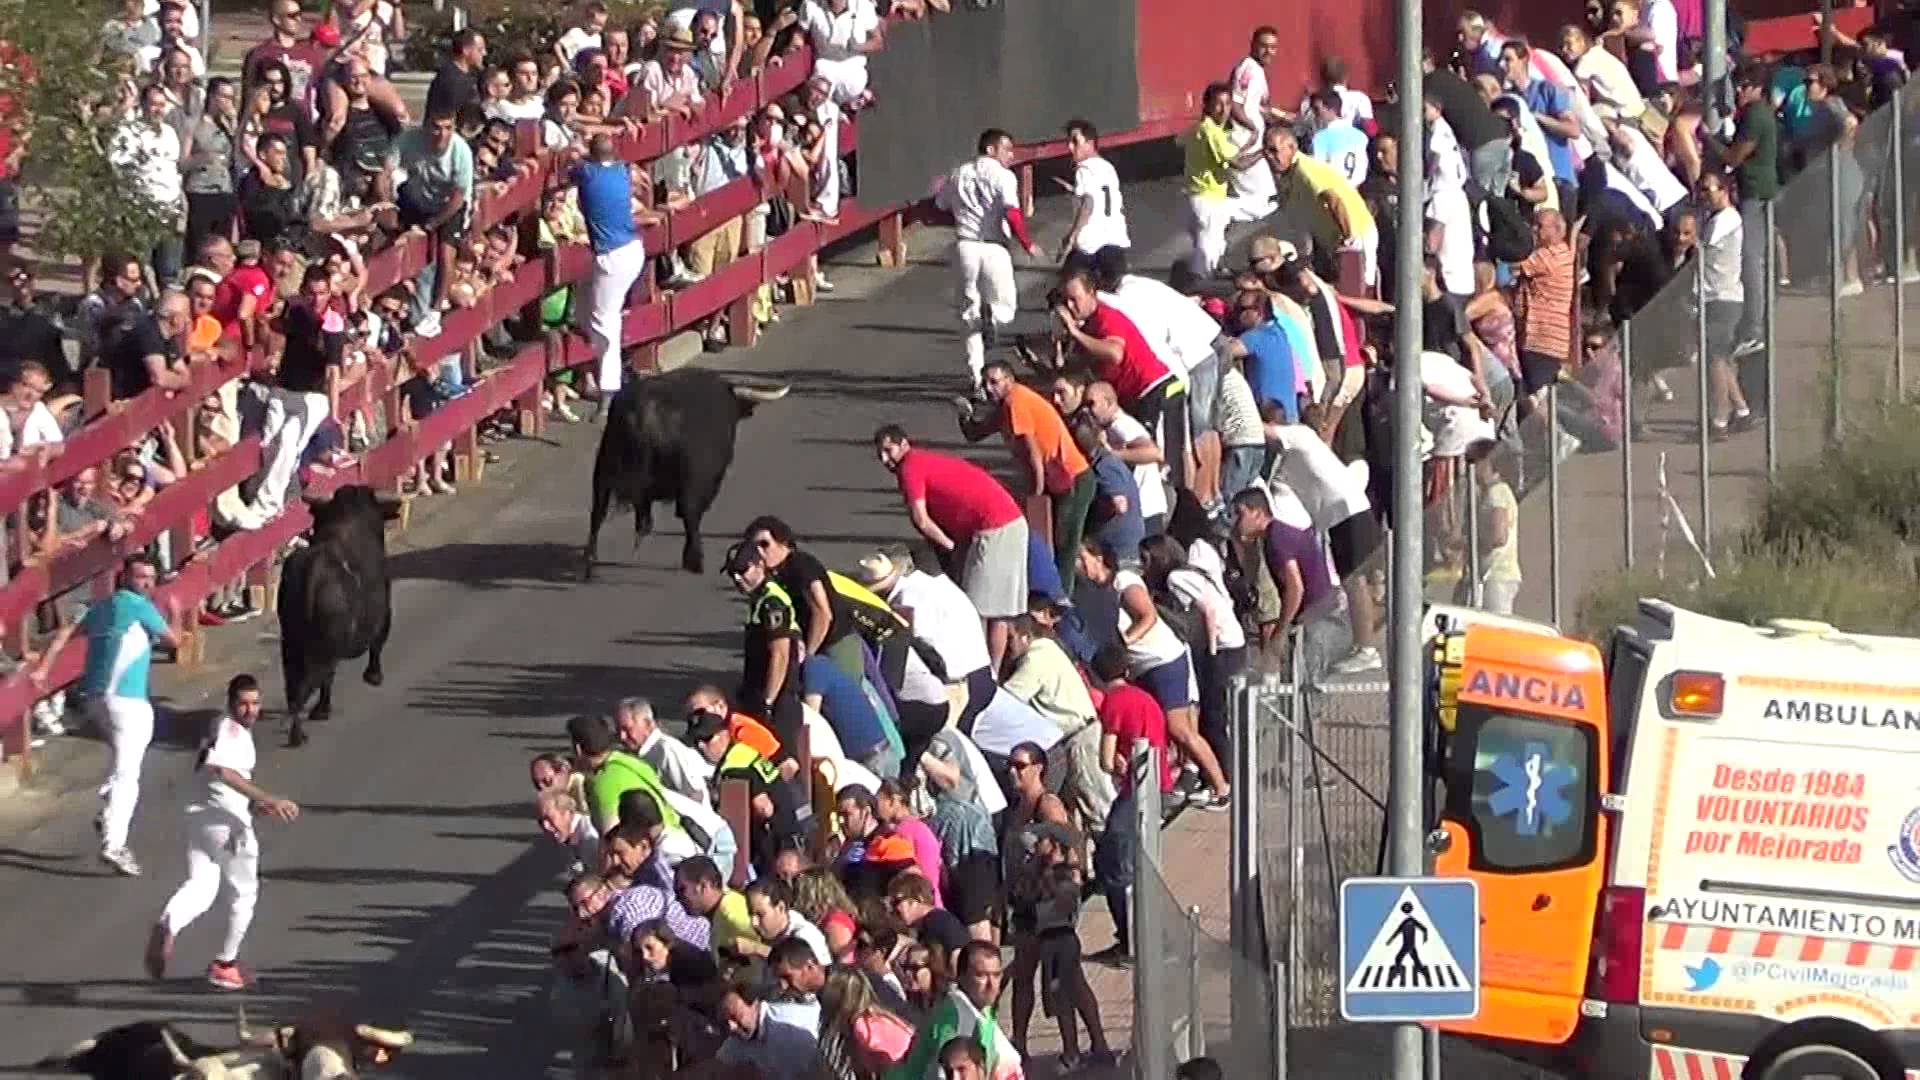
(986, 288)
(846, 78)
(1207, 218)
(128, 724)
(291, 421)
(613, 276)
(221, 849)
(1368, 245)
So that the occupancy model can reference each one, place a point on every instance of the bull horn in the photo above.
(759, 395)
(388, 1037)
(173, 1048)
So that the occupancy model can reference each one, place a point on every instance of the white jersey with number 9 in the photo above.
(1344, 147)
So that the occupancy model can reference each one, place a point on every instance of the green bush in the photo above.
(1836, 540)
(510, 26)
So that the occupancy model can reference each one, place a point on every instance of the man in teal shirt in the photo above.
(121, 632)
(967, 1010)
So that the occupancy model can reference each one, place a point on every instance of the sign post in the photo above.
(1409, 949)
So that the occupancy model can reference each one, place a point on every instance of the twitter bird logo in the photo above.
(1704, 976)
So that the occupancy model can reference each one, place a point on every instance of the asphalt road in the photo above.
(412, 889)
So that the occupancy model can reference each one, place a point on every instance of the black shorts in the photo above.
(972, 887)
(1022, 919)
(1059, 963)
(416, 211)
(1355, 542)
(1538, 370)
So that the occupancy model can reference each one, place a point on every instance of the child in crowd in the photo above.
(1053, 885)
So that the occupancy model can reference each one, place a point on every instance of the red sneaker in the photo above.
(228, 975)
(159, 951)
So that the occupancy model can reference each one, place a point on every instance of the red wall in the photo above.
(1180, 53)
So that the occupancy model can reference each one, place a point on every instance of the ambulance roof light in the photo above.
(1700, 694)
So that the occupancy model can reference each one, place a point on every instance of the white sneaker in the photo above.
(429, 326)
(1366, 658)
(1852, 288)
(122, 860)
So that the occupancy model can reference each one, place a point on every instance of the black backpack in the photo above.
(1509, 233)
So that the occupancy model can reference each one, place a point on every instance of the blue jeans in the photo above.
(1239, 468)
(1113, 856)
(884, 762)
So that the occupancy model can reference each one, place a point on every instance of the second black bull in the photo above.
(669, 438)
(335, 601)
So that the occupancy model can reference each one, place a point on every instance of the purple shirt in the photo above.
(1286, 543)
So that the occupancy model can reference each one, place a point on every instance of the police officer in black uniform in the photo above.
(770, 648)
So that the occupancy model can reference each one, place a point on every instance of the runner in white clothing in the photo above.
(1100, 215)
(984, 199)
(1253, 111)
(221, 848)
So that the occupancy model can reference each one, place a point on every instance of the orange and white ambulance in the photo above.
(1747, 818)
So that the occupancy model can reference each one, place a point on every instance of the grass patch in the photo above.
(1835, 540)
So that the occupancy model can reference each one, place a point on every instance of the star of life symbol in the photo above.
(1531, 789)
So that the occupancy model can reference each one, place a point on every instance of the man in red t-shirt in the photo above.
(972, 521)
(1126, 713)
(1147, 388)
(246, 289)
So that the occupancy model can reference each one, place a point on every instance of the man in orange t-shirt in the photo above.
(743, 728)
(1045, 453)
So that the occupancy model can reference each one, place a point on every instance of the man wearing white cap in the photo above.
(948, 624)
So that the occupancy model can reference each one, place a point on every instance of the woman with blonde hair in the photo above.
(819, 895)
(859, 1040)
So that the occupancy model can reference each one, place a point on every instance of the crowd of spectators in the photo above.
(1568, 185)
(282, 183)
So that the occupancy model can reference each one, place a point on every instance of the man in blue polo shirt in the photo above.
(1551, 105)
(121, 632)
(619, 256)
(1266, 354)
(864, 733)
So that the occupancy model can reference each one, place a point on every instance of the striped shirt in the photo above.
(1237, 415)
(1546, 298)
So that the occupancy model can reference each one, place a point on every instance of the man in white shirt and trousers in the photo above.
(1099, 210)
(1253, 188)
(221, 847)
(984, 199)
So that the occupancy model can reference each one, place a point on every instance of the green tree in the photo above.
(68, 96)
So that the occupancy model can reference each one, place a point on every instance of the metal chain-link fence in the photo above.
(1660, 455)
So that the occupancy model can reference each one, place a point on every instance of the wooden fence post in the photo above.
(736, 806)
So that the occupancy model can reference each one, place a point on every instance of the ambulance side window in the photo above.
(1520, 785)
(1626, 679)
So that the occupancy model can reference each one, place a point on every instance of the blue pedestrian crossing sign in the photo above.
(1409, 949)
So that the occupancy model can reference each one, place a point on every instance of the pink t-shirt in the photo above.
(926, 851)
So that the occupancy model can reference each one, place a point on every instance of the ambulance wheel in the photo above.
(1817, 1062)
